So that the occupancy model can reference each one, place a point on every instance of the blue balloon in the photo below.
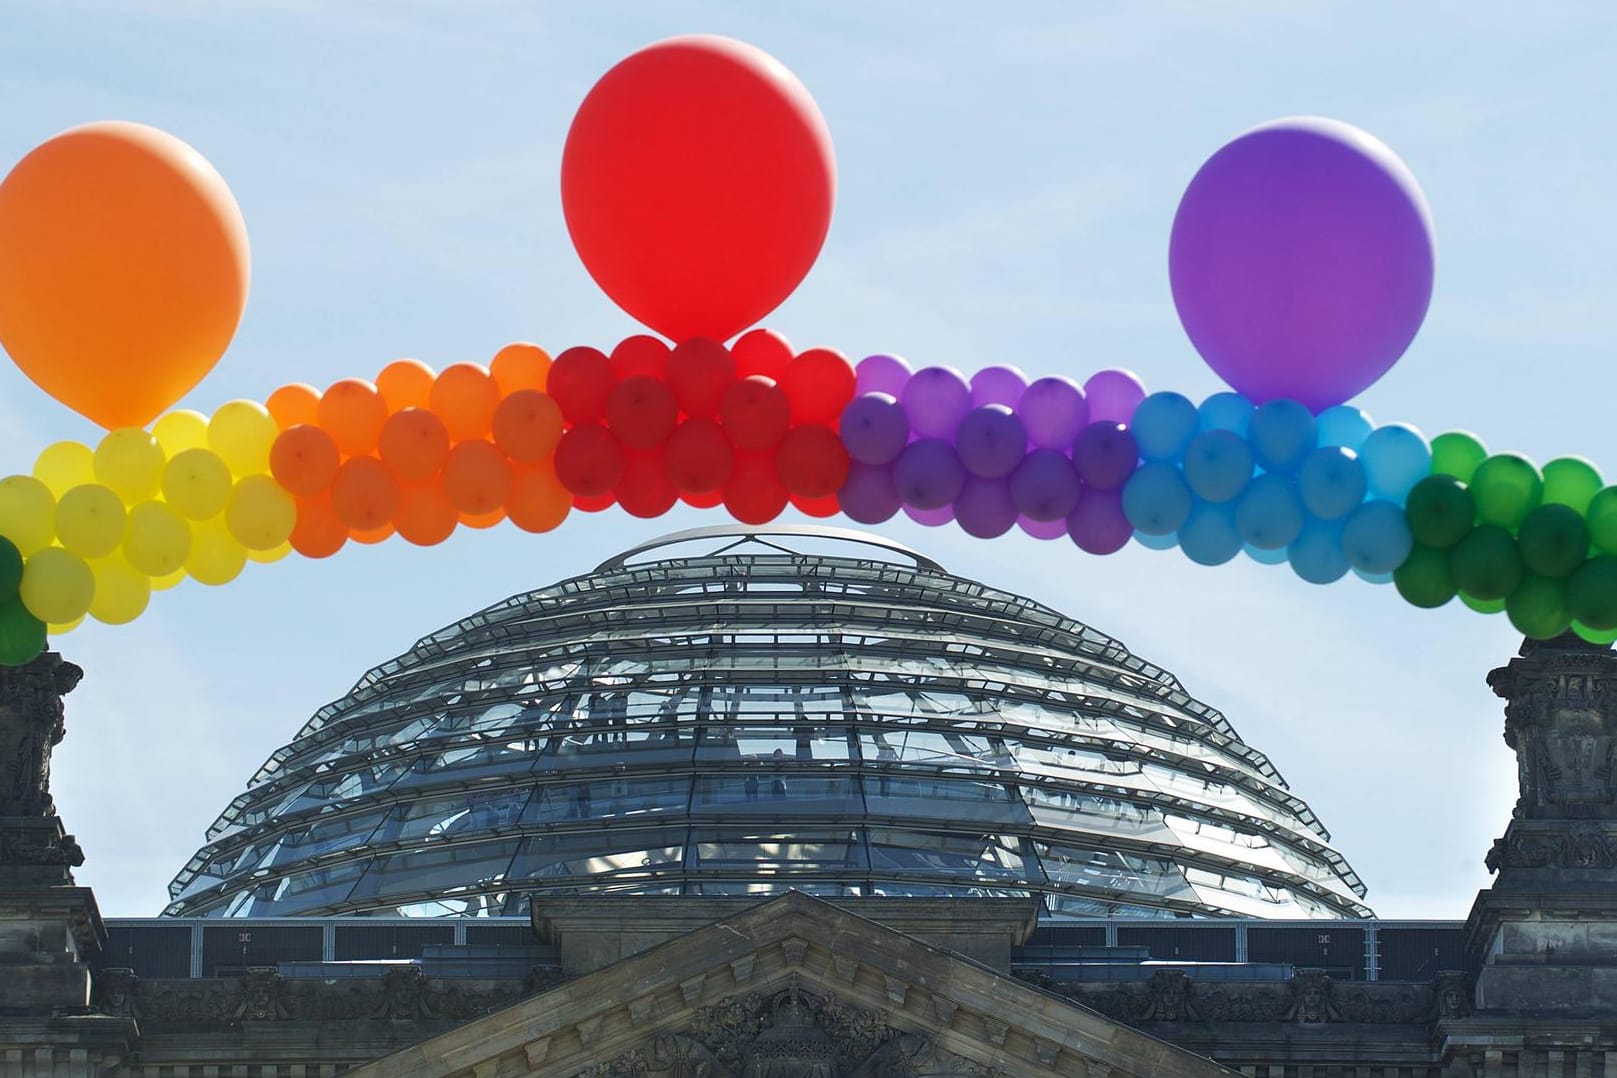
(1157, 542)
(1282, 434)
(1269, 513)
(1162, 426)
(1156, 498)
(1266, 557)
(1396, 457)
(1316, 555)
(1209, 536)
(1345, 426)
(1226, 411)
(1218, 464)
(1373, 578)
(1331, 482)
(1376, 538)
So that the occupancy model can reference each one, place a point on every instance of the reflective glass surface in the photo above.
(744, 712)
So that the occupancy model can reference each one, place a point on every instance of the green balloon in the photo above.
(1602, 517)
(1594, 636)
(1538, 608)
(1591, 593)
(1457, 454)
(10, 569)
(1424, 579)
(1440, 511)
(1482, 606)
(1507, 487)
(1570, 481)
(1486, 564)
(22, 636)
(1554, 540)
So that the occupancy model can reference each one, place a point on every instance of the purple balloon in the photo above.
(1105, 455)
(874, 428)
(1042, 529)
(932, 518)
(1053, 410)
(998, 385)
(928, 474)
(1098, 525)
(937, 399)
(869, 494)
(985, 508)
(1045, 486)
(881, 374)
(1301, 261)
(991, 441)
(1113, 395)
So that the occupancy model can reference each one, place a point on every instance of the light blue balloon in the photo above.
(1269, 514)
(1317, 555)
(1156, 498)
(1226, 411)
(1266, 557)
(1344, 425)
(1218, 464)
(1331, 482)
(1373, 578)
(1162, 426)
(1395, 457)
(1376, 538)
(1157, 542)
(1281, 435)
(1209, 536)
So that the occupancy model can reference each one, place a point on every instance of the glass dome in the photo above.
(745, 711)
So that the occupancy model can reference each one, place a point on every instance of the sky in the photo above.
(1005, 191)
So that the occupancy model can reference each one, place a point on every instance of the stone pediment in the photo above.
(794, 988)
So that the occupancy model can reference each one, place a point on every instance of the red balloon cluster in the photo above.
(751, 427)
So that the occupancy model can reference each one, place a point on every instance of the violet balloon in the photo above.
(875, 428)
(928, 474)
(932, 518)
(881, 373)
(984, 508)
(937, 399)
(869, 494)
(1043, 529)
(1105, 455)
(991, 441)
(998, 385)
(1098, 525)
(1053, 410)
(1301, 261)
(1113, 394)
(1045, 486)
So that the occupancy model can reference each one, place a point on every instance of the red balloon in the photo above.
(754, 494)
(827, 506)
(640, 355)
(589, 462)
(642, 412)
(580, 380)
(699, 457)
(699, 372)
(755, 413)
(705, 500)
(697, 182)
(819, 384)
(761, 351)
(812, 462)
(594, 503)
(645, 489)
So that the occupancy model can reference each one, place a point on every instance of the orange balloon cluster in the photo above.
(415, 453)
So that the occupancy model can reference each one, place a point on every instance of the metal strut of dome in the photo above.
(758, 716)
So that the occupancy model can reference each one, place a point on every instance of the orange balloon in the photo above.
(365, 494)
(405, 383)
(123, 270)
(293, 404)
(476, 477)
(465, 396)
(353, 413)
(304, 460)
(527, 425)
(319, 532)
(413, 444)
(425, 516)
(537, 501)
(520, 366)
(483, 520)
(374, 535)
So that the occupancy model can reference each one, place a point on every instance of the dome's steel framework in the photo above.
(782, 709)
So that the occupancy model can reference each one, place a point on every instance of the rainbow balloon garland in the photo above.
(1298, 301)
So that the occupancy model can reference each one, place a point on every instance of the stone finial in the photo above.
(31, 724)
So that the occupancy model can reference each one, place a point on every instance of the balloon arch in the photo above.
(697, 183)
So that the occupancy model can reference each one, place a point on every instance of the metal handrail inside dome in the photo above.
(761, 535)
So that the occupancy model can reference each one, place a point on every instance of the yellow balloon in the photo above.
(260, 514)
(57, 586)
(63, 630)
(157, 540)
(130, 461)
(121, 591)
(163, 583)
(242, 432)
(27, 514)
(272, 555)
(90, 521)
(180, 430)
(215, 558)
(197, 483)
(65, 465)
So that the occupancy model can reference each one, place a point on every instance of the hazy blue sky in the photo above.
(1006, 189)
